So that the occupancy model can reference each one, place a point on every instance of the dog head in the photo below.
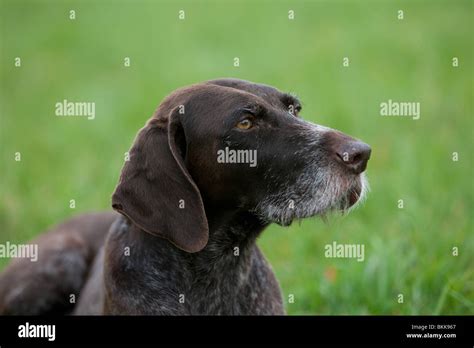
(234, 144)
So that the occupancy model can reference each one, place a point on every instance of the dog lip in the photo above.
(354, 196)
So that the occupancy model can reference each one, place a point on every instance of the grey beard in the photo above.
(315, 193)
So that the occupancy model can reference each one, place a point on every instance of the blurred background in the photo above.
(408, 251)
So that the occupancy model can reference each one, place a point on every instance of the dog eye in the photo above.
(294, 109)
(245, 124)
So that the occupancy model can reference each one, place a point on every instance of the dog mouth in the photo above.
(333, 193)
(353, 195)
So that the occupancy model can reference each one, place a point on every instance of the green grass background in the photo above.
(408, 251)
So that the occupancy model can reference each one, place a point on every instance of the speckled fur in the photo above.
(213, 281)
(158, 259)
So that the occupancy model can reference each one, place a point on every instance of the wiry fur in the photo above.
(319, 189)
(159, 259)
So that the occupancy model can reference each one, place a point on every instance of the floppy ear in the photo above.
(157, 192)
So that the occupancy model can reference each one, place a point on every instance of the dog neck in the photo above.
(233, 228)
(223, 267)
(217, 273)
(232, 236)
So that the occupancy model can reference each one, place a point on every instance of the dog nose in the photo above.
(354, 154)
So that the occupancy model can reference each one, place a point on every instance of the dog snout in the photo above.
(354, 155)
(351, 153)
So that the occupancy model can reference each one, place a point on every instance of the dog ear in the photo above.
(156, 191)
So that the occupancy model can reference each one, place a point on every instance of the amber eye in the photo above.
(245, 124)
(294, 110)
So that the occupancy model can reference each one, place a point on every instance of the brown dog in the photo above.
(216, 164)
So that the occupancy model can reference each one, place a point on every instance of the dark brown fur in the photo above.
(162, 257)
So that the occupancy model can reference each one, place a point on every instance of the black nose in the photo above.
(354, 154)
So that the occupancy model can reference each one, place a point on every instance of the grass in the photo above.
(407, 251)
